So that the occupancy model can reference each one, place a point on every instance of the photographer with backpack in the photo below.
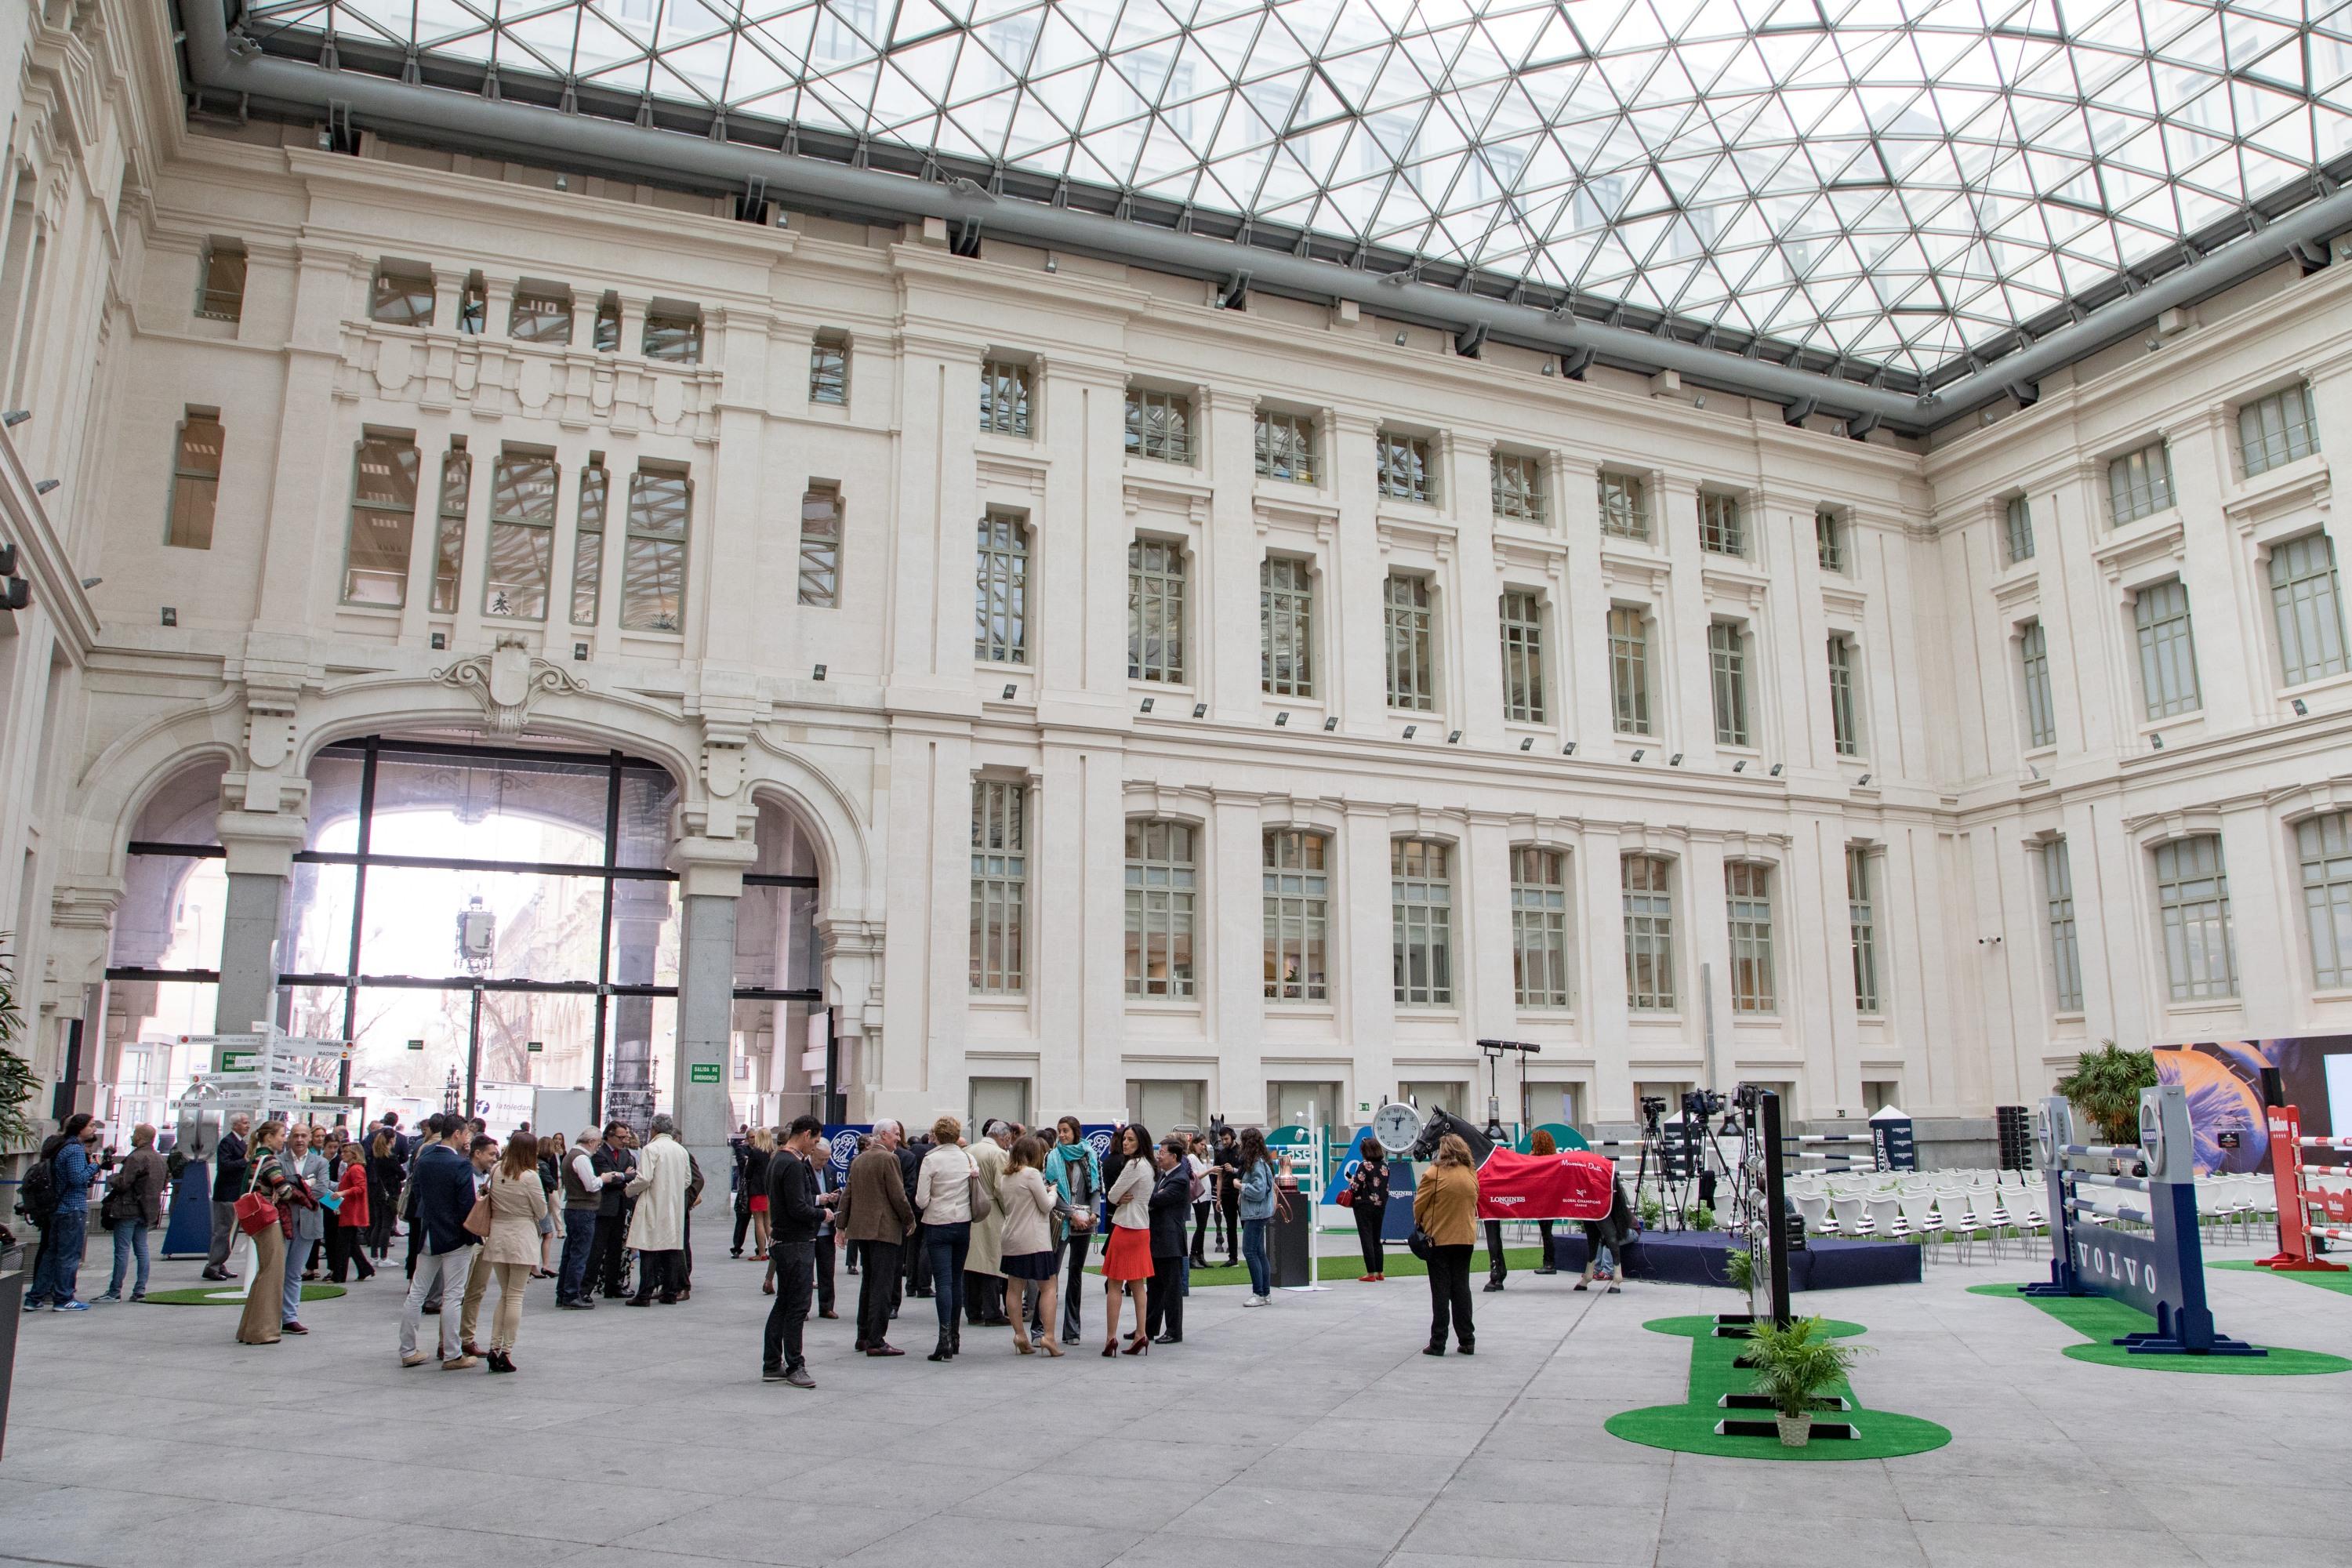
(133, 1207)
(54, 1196)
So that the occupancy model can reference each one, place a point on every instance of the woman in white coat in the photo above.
(658, 1229)
(517, 1214)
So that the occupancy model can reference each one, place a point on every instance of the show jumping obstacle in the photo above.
(2296, 1199)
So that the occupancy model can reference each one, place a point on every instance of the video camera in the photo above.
(1698, 1104)
(1652, 1107)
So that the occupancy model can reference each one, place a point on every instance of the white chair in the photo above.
(1816, 1211)
(1959, 1221)
(1886, 1217)
(1919, 1221)
(1851, 1219)
(1990, 1213)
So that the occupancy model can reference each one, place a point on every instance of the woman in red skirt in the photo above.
(1128, 1262)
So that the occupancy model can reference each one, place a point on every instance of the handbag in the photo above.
(1418, 1244)
(255, 1214)
(979, 1193)
(477, 1218)
(1346, 1197)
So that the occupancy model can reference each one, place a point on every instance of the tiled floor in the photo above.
(1313, 1434)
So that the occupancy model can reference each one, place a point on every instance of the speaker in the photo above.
(2013, 1126)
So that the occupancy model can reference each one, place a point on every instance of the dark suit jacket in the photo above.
(612, 1201)
(444, 1184)
(1171, 1201)
(876, 1206)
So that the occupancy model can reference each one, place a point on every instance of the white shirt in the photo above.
(584, 1167)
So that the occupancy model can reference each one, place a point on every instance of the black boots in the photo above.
(955, 1339)
(946, 1349)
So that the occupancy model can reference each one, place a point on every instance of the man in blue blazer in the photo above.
(443, 1179)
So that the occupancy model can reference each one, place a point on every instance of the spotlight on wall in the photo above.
(1147, 702)
(439, 640)
(1549, 368)
(562, 182)
(16, 416)
(818, 674)
(1008, 691)
(1410, 730)
(1330, 723)
(580, 652)
(2300, 710)
(1400, 338)
(171, 617)
(2156, 743)
(1053, 262)
(1282, 719)
(1200, 709)
(1675, 760)
(1640, 751)
(1740, 766)
(1700, 401)
(45, 487)
(1529, 745)
(1862, 782)
(89, 583)
(1776, 770)
(1568, 749)
(1453, 737)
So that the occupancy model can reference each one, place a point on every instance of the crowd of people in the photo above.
(996, 1231)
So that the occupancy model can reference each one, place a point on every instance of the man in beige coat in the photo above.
(983, 1267)
(658, 1229)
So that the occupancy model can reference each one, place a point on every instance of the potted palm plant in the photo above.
(1795, 1366)
(1740, 1268)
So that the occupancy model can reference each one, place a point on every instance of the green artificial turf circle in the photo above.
(1398, 1264)
(226, 1296)
(1689, 1428)
(2100, 1319)
(2330, 1280)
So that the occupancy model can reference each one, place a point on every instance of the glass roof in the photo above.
(1897, 181)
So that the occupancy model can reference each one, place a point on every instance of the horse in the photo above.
(1576, 1184)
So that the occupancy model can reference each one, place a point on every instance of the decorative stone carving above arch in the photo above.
(508, 680)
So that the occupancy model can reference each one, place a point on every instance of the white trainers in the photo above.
(1259, 1301)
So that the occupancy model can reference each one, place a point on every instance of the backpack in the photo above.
(38, 1193)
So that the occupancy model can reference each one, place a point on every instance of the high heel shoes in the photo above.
(1050, 1348)
(1140, 1345)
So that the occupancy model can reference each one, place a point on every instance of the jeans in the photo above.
(1261, 1276)
(1449, 1295)
(945, 1245)
(1163, 1297)
(224, 1234)
(441, 1272)
(795, 1262)
(60, 1261)
(1073, 1252)
(878, 1291)
(579, 1242)
(130, 1237)
(1368, 1235)
(296, 1250)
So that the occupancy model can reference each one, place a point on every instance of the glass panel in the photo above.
(541, 318)
(383, 522)
(641, 1049)
(145, 1021)
(775, 940)
(314, 928)
(471, 808)
(645, 933)
(770, 1086)
(416, 1082)
(170, 917)
(504, 925)
(401, 299)
(648, 796)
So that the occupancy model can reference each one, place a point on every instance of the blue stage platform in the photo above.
(1696, 1257)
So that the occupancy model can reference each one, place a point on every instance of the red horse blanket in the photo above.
(1573, 1185)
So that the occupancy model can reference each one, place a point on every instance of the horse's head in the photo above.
(1434, 1125)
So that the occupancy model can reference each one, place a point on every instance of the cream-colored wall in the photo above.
(264, 665)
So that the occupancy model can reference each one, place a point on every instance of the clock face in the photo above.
(1396, 1125)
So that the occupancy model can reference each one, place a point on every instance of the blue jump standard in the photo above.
(1696, 1257)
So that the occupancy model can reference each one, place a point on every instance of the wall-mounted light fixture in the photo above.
(1282, 719)
(1740, 766)
(16, 416)
(2300, 710)
(1008, 691)
(1454, 737)
(580, 652)
(1568, 749)
(1147, 702)
(1776, 770)
(1640, 751)
(45, 487)
(1200, 709)
(1330, 723)
(2156, 743)
(1529, 745)
(818, 674)
(171, 617)
(1410, 731)
(1675, 760)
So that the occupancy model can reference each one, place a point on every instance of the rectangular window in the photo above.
(2324, 844)
(383, 522)
(673, 336)
(523, 536)
(1747, 894)
(1649, 934)
(1286, 613)
(1861, 916)
(449, 529)
(1421, 948)
(1845, 710)
(2016, 529)
(1523, 684)
(1726, 656)
(220, 282)
(1298, 892)
(1159, 886)
(1412, 677)
(1001, 590)
(999, 886)
(1155, 610)
(196, 481)
(608, 324)
(1159, 425)
(539, 315)
(1829, 540)
(1721, 530)
(2192, 898)
(1404, 471)
(588, 547)
(2139, 483)
(1540, 972)
(1005, 388)
(1629, 669)
(400, 296)
(2310, 614)
(1285, 447)
(1624, 505)
(2033, 661)
(2277, 429)
(653, 573)
(2167, 649)
(829, 370)
(2058, 910)
(821, 547)
(1517, 487)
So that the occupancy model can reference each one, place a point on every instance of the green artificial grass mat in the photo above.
(1400, 1264)
(226, 1296)
(1689, 1428)
(2339, 1283)
(2100, 1319)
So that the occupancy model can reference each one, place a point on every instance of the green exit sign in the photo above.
(702, 1072)
(534, 1045)
(232, 1060)
(416, 1045)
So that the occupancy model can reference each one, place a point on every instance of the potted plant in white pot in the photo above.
(1795, 1366)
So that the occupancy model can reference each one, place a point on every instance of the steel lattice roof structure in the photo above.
(1891, 195)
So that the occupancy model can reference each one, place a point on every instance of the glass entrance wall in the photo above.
(479, 922)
